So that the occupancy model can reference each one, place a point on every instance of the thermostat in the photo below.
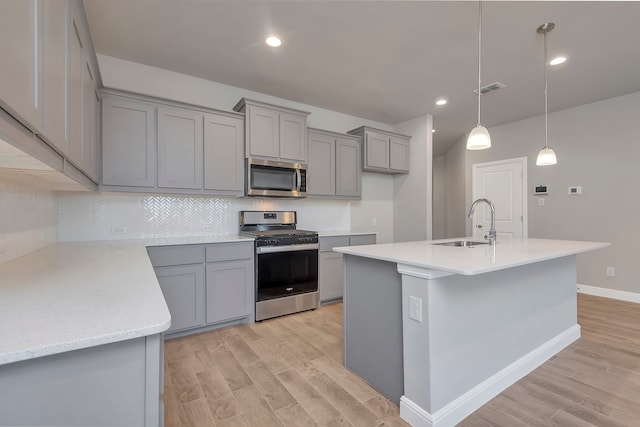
(540, 190)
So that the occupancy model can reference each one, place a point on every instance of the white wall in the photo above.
(439, 198)
(29, 219)
(597, 147)
(412, 216)
(85, 217)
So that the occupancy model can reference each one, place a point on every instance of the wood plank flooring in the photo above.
(288, 372)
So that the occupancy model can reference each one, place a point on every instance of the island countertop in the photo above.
(507, 253)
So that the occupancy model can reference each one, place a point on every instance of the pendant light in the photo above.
(546, 156)
(479, 138)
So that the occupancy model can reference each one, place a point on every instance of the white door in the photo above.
(504, 183)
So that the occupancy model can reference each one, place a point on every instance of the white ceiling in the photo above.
(386, 61)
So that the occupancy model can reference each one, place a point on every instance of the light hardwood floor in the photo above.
(288, 372)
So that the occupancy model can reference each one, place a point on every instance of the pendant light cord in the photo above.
(546, 144)
(479, 55)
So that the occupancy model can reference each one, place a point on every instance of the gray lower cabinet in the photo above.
(330, 264)
(206, 286)
(183, 290)
(229, 290)
(334, 165)
(116, 384)
(383, 151)
(230, 282)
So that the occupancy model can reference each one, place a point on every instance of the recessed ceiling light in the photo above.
(274, 41)
(441, 101)
(559, 60)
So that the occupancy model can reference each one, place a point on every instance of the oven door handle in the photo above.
(287, 248)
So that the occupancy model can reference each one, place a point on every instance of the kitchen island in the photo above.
(443, 329)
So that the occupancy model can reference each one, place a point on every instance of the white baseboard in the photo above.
(609, 293)
(464, 405)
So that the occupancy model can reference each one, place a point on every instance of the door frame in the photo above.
(523, 161)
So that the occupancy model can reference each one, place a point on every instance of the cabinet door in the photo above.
(223, 154)
(180, 134)
(348, 175)
(183, 290)
(128, 143)
(75, 73)
(55, 111)
(263, 132)
(21, 53)
(330, 277)
(399, 154)
(293, 137)
(376, 151)
(89, 155)
(321, 169)
(229, 290)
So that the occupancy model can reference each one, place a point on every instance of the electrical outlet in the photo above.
(374, 221)
(541, 201)
(415, 308)
(120, 229)
(611, 271)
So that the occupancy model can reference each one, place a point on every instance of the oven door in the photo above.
(284, 271)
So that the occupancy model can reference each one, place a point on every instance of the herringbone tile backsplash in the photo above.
(113, 216)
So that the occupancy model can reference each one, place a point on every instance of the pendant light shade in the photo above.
(546, 156)
(479, 138)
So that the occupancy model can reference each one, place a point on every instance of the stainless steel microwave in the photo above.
(272, 178)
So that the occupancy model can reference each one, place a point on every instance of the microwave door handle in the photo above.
(299, 179)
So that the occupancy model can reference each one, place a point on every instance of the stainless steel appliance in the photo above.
(271, 178)
(286, 263)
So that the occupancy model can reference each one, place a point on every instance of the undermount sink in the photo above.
(462, 243)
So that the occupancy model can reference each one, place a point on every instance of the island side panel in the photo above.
(478, 325)
(373, 324)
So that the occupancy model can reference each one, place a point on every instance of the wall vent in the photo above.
(490, 88)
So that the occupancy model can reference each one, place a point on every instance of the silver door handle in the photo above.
(287, 248)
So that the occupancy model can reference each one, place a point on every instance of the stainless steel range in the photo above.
(286, 263)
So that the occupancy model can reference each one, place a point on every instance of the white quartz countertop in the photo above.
(77, 295)
(197, 240)
(507, 253)
(335, 233)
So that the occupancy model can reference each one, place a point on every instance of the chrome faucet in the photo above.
(491, 235)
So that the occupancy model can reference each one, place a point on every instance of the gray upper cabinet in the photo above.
(274, 132)
(348, 176)
(128, 142)
(186, 150)
(321, 170)
(21, 52)
(398, 154)
(180, 149)
(223, 154)
(55, 13)
(383, 152)
(334, 165)
(48, 81)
